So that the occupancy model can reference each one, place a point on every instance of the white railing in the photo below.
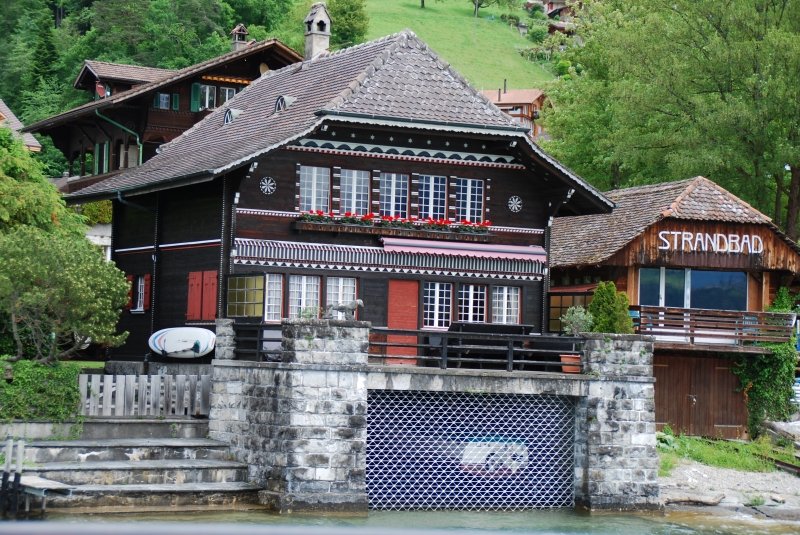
(144, 395)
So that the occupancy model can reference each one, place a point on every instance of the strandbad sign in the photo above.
(696, 242)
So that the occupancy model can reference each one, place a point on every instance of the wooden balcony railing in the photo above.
(712, 327)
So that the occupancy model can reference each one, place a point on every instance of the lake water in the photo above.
(550, 522)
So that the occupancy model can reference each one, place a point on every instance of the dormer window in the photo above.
(230, 115)
(283, 102)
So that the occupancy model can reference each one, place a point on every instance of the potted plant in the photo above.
(470, 227)
(317, 216)
(350, 218)
(577, 320)
(435, 224)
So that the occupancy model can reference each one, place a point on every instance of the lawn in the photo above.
(448, 27)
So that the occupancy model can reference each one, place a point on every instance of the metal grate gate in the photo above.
(440, 450)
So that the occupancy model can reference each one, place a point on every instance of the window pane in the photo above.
(244, 299)
(469, 200)
(394, 195)
(274, 301)
(436, 304)
(314, 188)
(649, 286)
(432, 196)
(505, 304)
(303, 294)
(163, 101)
(555, 300)
(674, 287)
(471, 303)
(225, 94)
(355, 192)
(341, 290)
(719, 290)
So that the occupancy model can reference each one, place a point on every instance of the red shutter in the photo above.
(403, 311)
(129, 303)
(147, 279)
(209, 311)
(195, 301)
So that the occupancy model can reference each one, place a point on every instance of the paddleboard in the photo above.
(183, 342)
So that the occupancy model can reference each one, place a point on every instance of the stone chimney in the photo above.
(318, 30)
(239, 37)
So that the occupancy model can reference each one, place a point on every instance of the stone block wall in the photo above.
(616, 458)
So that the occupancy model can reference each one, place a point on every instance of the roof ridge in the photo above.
(85, 61)
(673, 207)
(716, 187)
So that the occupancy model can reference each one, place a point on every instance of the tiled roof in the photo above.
(10, 121)
(128, 73)
(138, 91)
(396, 76)
(514, 96)
(590, 239)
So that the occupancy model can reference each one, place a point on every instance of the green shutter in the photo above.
(106, 155)
(156, 102)
(96, 157)
(176, 102)
(195, 105)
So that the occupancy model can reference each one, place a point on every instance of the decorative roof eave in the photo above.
(422, 123)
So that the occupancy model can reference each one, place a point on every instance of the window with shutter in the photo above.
(156, 100)
(129, 303)
(195, 103)
(176, 99)
(147, 282)
(209, 308)
(195, 299)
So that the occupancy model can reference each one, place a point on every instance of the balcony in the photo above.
(712, 330)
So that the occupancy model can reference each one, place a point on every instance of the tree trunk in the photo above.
(423, 4)
(15, 332)
(793, 208)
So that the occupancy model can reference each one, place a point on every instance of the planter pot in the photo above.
(573, 359)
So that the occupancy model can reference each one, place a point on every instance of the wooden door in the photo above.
(672, 389)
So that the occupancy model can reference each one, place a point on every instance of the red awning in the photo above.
(478, 250)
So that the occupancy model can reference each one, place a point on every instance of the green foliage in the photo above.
(26, 197)
(40, 392)
(537, 34)
(57, 292)
(97, 212)
(745, 456)
(45, 56)
(536, 11)
(610, 310)
(783, 301)
(562, 67)
(577, 320)
(309, 313)
(349, 21)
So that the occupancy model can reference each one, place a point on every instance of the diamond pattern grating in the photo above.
(453, 450)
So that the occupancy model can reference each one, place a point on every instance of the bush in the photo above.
(562, 67)
(610, 310)
(537, 34)
(513, 19)
(97, 212)
(40, 392)
(577, 320)
(536, 11)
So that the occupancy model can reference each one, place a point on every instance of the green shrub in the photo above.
(536, 11)
(610, 310)
(40, 391)
(562, 67)
(577, 320)
(97, 212)
(537, 34)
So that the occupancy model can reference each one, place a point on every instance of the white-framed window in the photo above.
(505, 304)
(355, 192)
(437, 298)
(432, 197)
(208, 97)
(273, 303)
(162, 101)
(394, 195)
(225, 94)
(315, 188)
(340, 290)
(469, 200)
(303, 294)
(139, 294)
(472, 303)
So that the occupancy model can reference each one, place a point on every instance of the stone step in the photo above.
(107, 428)
(189, 495)
(162, 471)
(125, 449)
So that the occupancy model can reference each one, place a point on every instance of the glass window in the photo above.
(469, 200)
(432, 197)
(341, 290)
(246, 296)
(505, 304)
(163, 101)
(315, 185)
(559, 304)
(436, 304)
(472, 303)
(719, 290)
(208, 97)
(274, 305)
(355, 192)
(674, 288)
(139, 293)
(394, 195)
(649, 286)
(303, 296)
(225, 94)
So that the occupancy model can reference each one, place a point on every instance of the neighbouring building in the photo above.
(136, 109)
(212, 226)
(700, 266)
(523, 105)
(10, 121)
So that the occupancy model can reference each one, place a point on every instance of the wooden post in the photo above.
(155, 395)
(83, 384)
(119, 396)
(205, 394)
(142, 395)
(192, 395)
(167, 396)
(94, 395)
(108, 389)
(180, 394)
(130, 392)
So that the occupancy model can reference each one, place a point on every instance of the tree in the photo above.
(45, 56)
(58, 293)
(349, 21)
(609, 310)
(686, 88)
(537, 34)
(480, 4)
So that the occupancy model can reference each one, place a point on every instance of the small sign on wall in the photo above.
(702, 242)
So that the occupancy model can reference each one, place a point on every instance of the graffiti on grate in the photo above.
(454, 450)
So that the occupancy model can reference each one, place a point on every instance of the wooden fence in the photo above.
(144, 395)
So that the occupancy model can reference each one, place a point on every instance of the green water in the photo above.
(550, 522)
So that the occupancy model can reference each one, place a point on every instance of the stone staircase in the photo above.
(159, 470)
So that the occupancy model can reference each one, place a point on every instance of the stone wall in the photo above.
(616, 458)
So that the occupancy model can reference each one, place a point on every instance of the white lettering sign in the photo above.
(700, 242)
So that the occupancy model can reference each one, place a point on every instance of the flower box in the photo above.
(380, 230)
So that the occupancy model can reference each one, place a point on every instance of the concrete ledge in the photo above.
(327, 503)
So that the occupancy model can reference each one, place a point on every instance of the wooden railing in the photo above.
(712, 327)
(144, 395)
(446, 349)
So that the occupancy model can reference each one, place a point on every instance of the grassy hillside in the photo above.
(447, 27)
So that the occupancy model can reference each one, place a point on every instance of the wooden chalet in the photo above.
(136, 109)
(213, 226)
(524, 105)
(700, 266)
(10, 121)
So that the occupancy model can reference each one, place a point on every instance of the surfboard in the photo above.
(183, 342)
